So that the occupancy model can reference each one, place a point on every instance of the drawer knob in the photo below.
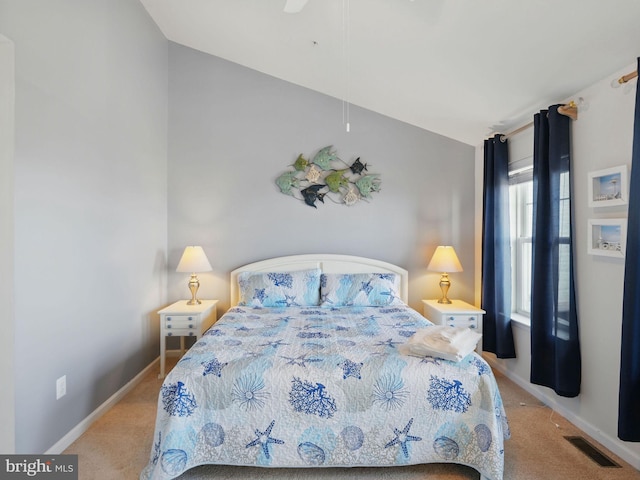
(168, 319)
(451, 319)
(169, 334)
(190, 318)
(472, 326)
(190, 325)
(168, 326)
(191, 334)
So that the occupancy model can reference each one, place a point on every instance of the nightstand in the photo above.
(455, 314)
(182, 320)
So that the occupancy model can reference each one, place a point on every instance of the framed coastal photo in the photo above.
(607, 237)
(608, 187)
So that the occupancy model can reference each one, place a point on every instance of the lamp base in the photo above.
(445, 283)
(194, 284)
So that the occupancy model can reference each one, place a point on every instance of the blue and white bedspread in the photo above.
(323, 387)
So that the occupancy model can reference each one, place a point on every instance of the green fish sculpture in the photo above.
(368, 184)
(287, 181)
(336, 179)
(301, 163)
(324, 158)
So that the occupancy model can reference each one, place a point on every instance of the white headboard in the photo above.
(328, 263)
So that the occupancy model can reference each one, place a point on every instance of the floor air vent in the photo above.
(592, 452)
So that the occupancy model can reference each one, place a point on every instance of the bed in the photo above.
(307, 370)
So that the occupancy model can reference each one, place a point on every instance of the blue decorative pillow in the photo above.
(359, 289)
(280, 289)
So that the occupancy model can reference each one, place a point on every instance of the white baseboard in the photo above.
(84, 425)
(614, 445)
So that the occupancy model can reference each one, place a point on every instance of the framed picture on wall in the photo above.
(608, 187)
(607, 237)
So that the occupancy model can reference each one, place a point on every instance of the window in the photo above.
(521, 220)
(564, 259)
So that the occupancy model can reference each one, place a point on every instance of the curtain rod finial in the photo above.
(617, 82)
(569, 110)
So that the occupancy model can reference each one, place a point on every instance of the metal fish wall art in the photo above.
(327, 176)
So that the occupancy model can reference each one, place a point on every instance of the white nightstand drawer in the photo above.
(181, 321)
(182, 332)
(469, 321)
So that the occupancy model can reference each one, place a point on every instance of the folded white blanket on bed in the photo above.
(449, 334)
(450, 343)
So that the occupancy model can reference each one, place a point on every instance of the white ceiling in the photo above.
(460, 68)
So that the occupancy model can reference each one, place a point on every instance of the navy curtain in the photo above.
(629, 397)
(555, 347)
(497, 336)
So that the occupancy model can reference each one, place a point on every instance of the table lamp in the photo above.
(193, 261)
(444, 260)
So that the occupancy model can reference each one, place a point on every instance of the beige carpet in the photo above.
(117, 447)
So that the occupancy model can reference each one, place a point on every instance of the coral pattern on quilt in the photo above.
(322, 387)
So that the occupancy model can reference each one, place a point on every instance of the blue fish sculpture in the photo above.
(312, 193)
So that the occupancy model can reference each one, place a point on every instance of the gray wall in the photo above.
(232, 131)
(7, 115)
(90, 205)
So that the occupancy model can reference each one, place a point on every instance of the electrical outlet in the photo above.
(61, 387)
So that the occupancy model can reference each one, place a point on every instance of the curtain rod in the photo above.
(624, 78)
(570, 110)
(503, 138)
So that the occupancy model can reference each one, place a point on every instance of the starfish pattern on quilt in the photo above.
(388, 343)
(213, 367)
(300, 360)
(274, 344)
(264, 439)
(402, 438)
(350, 369)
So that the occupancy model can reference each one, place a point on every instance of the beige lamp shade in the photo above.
(445, 260)
(194, 260)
